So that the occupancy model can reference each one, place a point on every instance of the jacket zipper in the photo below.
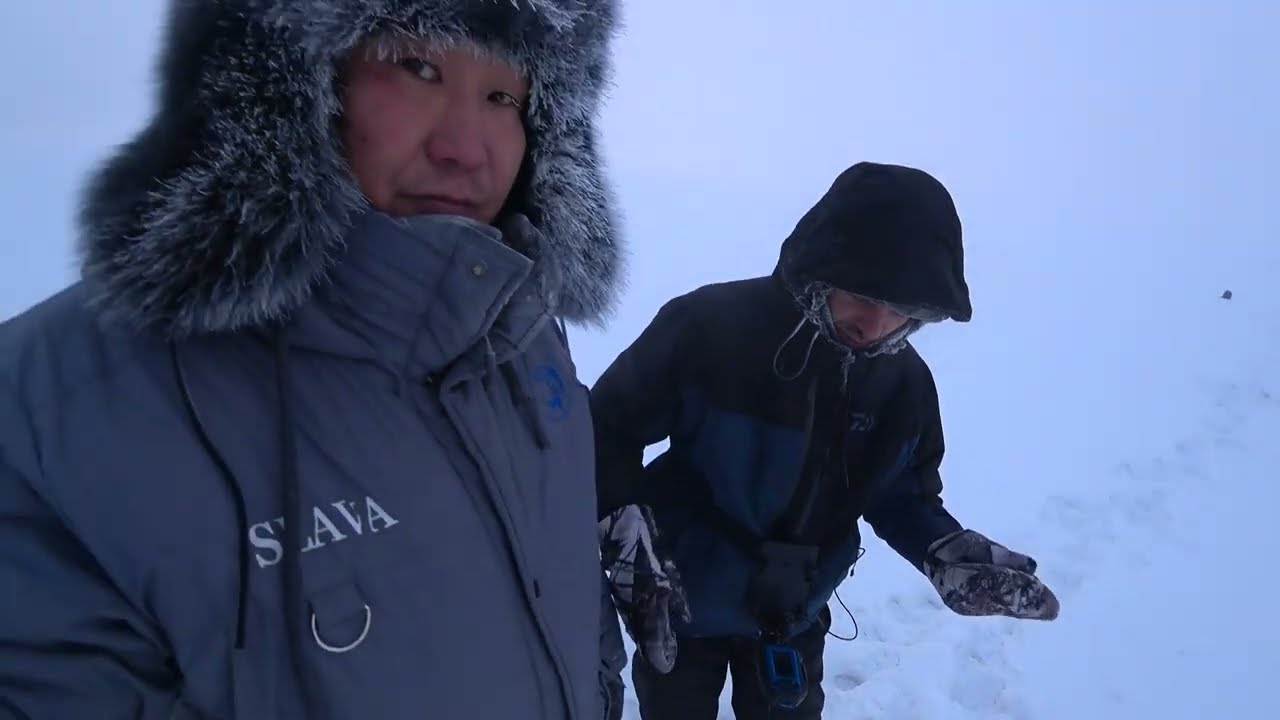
(508, 526)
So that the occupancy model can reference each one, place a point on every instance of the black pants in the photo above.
(691, 691)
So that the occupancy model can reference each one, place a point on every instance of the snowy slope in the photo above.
(1124, 438)
(1160, 562)
(1105, 411)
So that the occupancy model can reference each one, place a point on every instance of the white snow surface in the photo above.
(1106, 411)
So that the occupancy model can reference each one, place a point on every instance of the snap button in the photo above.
(478, 269)
(315, 633)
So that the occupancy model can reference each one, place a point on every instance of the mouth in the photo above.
(853, 337)
(435, 204)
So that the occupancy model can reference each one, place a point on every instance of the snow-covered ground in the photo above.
(1106, 411)
(1160, 560)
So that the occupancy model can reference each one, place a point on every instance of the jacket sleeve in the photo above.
(71, 646)
(635, 402)
(908, 513)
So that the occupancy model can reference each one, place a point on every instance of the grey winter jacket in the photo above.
(287, 457)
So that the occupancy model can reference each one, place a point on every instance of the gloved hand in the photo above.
(646, 588)
(976, 576)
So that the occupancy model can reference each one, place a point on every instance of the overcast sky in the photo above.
(1149, 124)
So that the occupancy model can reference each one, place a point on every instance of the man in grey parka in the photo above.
(306, 441)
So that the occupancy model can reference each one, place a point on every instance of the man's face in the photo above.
(434, 132)
(861, 323)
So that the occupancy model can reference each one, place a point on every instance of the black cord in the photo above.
(861, 551)
(851, 617)
(237, 496)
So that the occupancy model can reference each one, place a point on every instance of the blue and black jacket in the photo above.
(761, 410)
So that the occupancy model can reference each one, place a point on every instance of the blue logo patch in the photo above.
(551, 391)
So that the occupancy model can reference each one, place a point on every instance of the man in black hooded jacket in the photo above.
(794, 405)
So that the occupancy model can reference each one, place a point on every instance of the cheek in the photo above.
(366, 164)
(509, 148)
(841, 314)
(505, 148)
(378, 141)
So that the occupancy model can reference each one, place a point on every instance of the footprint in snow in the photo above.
(869, 661)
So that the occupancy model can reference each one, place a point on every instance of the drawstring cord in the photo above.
(237, 495)
(290, 479)
(804, 363)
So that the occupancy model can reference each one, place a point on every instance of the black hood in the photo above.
(228, 209)
(885, 232)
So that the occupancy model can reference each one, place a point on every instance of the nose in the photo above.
(883, 315)
(873, 321)
(457, 138)
(876, 318)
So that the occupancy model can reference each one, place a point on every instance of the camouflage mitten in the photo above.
(976, 576)
(646, 589)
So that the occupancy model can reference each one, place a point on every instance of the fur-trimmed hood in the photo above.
(228, 209)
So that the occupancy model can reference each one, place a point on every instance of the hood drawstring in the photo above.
(804, 363)
(814, 311)
(233, 486)
(289, 474)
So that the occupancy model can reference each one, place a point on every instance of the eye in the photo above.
(506, 98)
(421, 68)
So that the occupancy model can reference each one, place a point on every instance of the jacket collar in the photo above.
(417, 295)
